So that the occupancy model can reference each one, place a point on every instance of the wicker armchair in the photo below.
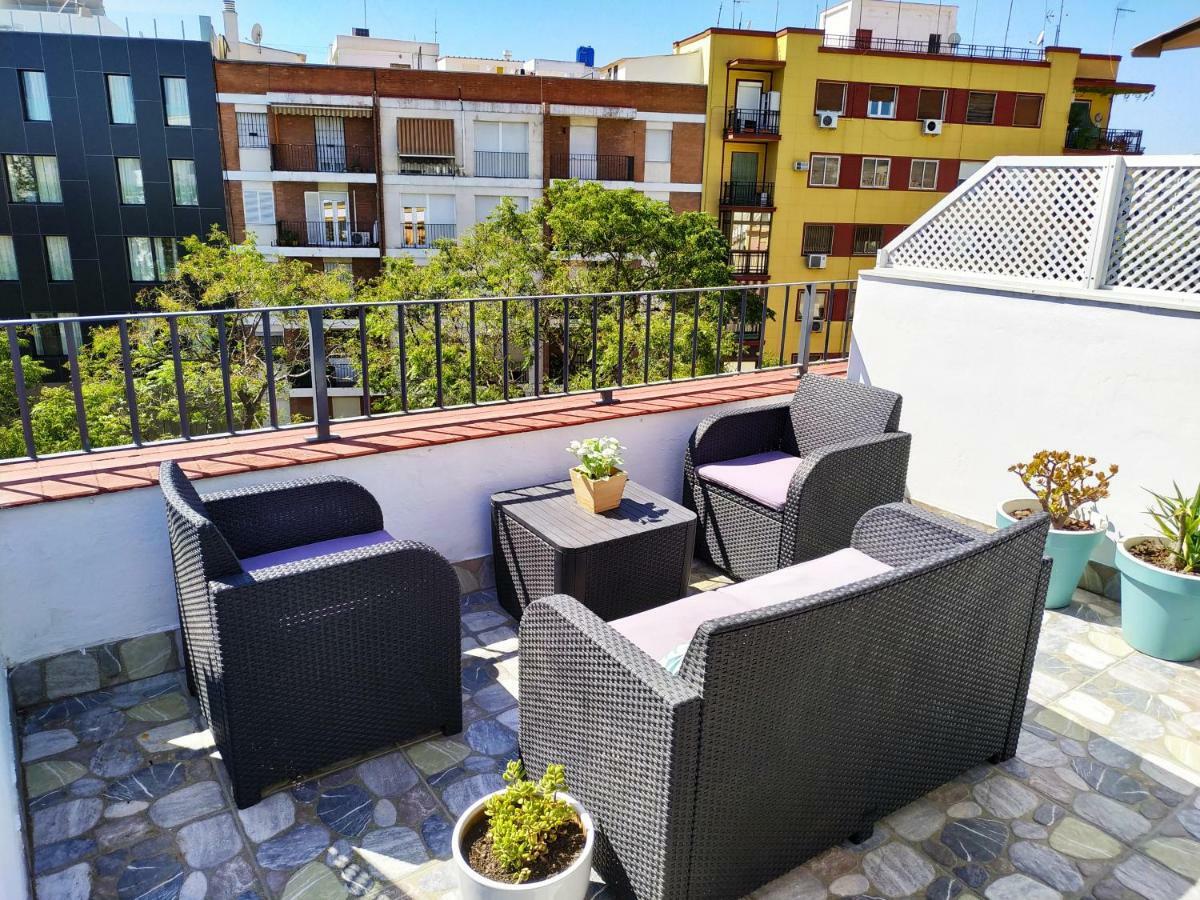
(785, 481)
(794, 725)
(310, 635)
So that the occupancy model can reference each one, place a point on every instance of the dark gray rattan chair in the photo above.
(785, 481)
(795, 725)
(310, 635)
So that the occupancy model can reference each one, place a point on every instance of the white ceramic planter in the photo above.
(571, 884)
(1070, 551)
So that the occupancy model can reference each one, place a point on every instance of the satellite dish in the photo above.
(256, 33)
(955, 39)
(1041, 38)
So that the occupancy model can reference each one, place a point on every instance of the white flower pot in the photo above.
(571, 884)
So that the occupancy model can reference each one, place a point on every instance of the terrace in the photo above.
(121, 792)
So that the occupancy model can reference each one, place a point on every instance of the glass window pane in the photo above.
(58, 253)
(8, 259)
(252, 129)
(1027, 112)
(881, 101)
(166, 257)
(830, 96)
(141, 259)
(48, 186)
(129, 175)
(120, 99)
(980, 108)
(930, 103)
(22, 181)
(176, 99)
(183, 174)
(37, 99)
(658, 145)
(818, 239)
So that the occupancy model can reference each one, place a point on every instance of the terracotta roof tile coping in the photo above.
(109, 471)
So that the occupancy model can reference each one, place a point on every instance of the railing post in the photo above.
(316, 344)
(806, 323)
(1112, 187)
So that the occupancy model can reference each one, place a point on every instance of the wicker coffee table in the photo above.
(616, 563)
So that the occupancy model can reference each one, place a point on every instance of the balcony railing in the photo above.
(324, 233)
(1108, 140)
(752, 121)
(934, 45)
(748, 193)
(748, 262)
(322, 158)
(427, 165)
(434, 353)
(591, 167)
(501, 164)
(424, 234)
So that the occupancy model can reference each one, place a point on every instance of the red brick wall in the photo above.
(623, 137)
(556, 141)
(289, 202)
(292, 130)
(684, 201)
(236, 210)
(227, 120)
(687, 153)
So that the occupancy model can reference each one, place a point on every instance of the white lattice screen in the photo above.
(1112, 222)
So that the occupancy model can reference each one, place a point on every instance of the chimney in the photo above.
(230, 18)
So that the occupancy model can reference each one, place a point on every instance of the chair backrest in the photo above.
(826, 411)
(824, 714)
(198, 548)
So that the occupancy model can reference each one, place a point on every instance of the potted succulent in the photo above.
(598, 480)
(1160, 580)
(530, 839)
(1062, 485)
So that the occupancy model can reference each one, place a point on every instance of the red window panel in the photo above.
(1006, 101)
(901, 165)
(947, 177)
(856, 99)
(956, 106)
(836, 312)
(906, 103)
(851, 170)
(843, 239)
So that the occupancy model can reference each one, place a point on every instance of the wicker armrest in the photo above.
(741, 432)
(899, 534)
(265, 518)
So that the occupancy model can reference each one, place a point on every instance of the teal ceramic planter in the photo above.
(1160, 610)
(1070, 551)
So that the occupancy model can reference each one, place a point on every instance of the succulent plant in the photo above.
(1063, 483)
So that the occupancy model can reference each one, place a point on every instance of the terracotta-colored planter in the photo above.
(598, 495)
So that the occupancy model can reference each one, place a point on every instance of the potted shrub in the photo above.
(1160, 580)
(530, 839)
(1062, 485)
(598, 480)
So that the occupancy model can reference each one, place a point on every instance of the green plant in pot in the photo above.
(530, 839)
(1160, 580)
(1063, 485)
(598, 480)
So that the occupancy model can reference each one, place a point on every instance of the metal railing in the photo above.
(752, 121)
(748, 262)
(748, 193)
(427, 165)
(322, 158)
(184, 376)
(501, 164)
(423, 234)
(933, 46)
(1111, 140)
(591, 166)
(324, 233)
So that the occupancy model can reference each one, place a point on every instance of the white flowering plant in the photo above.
(598, 458)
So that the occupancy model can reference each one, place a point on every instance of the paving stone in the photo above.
(1190, 820)
(187, 803)
(26, 682)
(437, 833)
(346, 809)
(384, 814)
(65, 820)
(123, 808)
(490, 737)
(1059, 723)
(1005, 798)
(231, 880)
(1028, 830)
(388, 776)
(1049, 814)
(1150, 880)
(98, 724)
(266, 819)
(55, 856)
(144, 656)
(1083, 841)
(494, 697)
(399, 843)
(166, 708)
(973, 875)
(975, 840)
(195, 887)
(74, 883)
(413, 807)
(1037, 751)
(1177, 853)
(1109, 781)
(42, 744)
(1113, 817)
(293, 848)
(1046, 865)
(116, 757)
(87, 786)
(165, 738)
(944, 888)
(437, 754)
(209, 842)
(316, 881)
(43, 777)
(70, 674)
(917, 821)
(1019, 887)
(122, 832)
(156, 878)
(496, 638)
(466, 791)
(510, 718)
(1153, 808)
(483, 620)
(849, 885)
(147, 784)
(897, 869)
(967, 809)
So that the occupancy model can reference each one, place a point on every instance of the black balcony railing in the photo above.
(748, 262)
(591, 166)
(423, 234)
(748, 193)
(324, 233)
(1107, 140)
(752, 121)
(427, 165)
(934, 45)
(501, 164)
(322, 158)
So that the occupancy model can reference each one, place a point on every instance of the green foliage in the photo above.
(1178, 519)
(598, 457)
(527, 817)
(1063, 483)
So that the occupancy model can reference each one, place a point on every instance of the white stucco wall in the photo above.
(989, 377)
(13, 882)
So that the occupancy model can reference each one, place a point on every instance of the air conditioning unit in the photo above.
(817, 260)
(931, 126)
(818, 325)
(827, 118)
(800, 165)
(361, 238)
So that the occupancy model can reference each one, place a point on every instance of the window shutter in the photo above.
(831, 95)
(425, 137)
(1027, 111)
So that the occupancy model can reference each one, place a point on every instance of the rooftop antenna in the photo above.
(435, 26)
(1116, 17)
(1058, 24)
(720, 9)
(1008, 22)
(737, 21)
(364, 13)
(776, 15)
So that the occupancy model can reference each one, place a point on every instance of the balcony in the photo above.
(324, 233)
(501, 164)
(752, 124)
(322, 158)
(427, 165)
(1104, 140)
(757, 194)
(425, 235)
(748, 263)
(934, 46)
(591, 167)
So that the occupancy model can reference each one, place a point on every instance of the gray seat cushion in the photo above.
(763, 477)
(312, 551)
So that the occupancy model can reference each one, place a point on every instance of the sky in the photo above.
(616, 28)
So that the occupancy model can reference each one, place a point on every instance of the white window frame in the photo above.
(975, 166)
(254, 209)
(873, 185)
(1041, 98)
(941, 112)
(658, 133)
(891, 113)
(967, 112)
(812, 168)
(249, 137)
(841, 110)
(47, 186)
(925, 163)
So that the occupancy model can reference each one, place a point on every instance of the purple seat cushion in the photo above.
(311, 551)
(763, 477)
(660, 630)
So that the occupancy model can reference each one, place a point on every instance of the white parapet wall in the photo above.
(14, 883)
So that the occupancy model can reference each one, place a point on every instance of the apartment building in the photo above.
(345, 165)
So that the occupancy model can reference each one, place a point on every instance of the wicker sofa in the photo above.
(311, 636)
(787, 480)
(793, 725)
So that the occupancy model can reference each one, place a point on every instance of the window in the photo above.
(981, 108)
(747, 231)
(152, 259)
(831, 96)
(876, 172)
(824, 171)
(967, 168)
(501, 150)
(1027, 112)
(426, 146)
(33, 179)
(658, 145)
(486, 204)
(817, 239)
(120, 99)
(129, 176)
(415, 234)
(35, 96)
(931, 104)
(58, 254)
(183, 177)
(820, 304)
(259, 206)
(881, 102)
(252, 129)
(923, 175)
(175, 100)
(867, 239)
(8, 259)
(51, 340)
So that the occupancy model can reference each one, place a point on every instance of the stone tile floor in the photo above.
(126, 799)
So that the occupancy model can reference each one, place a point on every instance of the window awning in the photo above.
(425, 137)
(341, 112)
(1108, 86)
